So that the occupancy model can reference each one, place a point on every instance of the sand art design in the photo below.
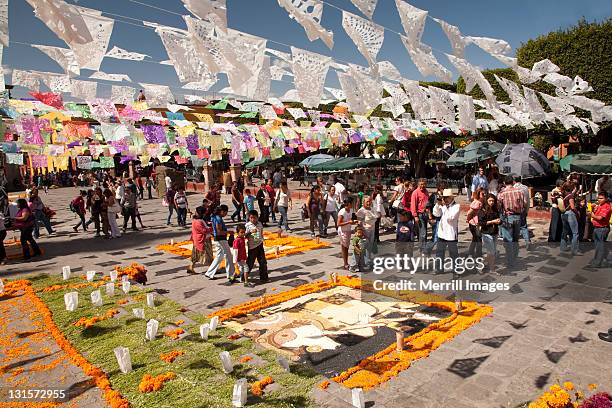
(334, 329)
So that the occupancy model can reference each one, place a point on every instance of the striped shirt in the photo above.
(512, 200)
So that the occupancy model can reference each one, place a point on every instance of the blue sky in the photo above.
(514, 21)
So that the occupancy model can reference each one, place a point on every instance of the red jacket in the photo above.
(271, 191)
(79, 204)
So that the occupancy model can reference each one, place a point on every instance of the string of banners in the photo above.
(92, 134)
(55, 133)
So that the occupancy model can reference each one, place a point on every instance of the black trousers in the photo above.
(2, 249)
(129, 212)
(264, 216)
(476, 244)
(27, 238)
(258, 253)
(556, 226)
(95, 219)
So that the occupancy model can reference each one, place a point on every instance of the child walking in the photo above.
(358, 246)
(406, 231)
(240, 255)
(78, 206)
(249, 200)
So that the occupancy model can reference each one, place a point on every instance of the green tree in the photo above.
(583, 49)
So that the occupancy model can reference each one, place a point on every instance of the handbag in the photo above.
(115, 208)
(47, 212)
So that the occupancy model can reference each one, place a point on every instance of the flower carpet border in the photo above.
(387, 363)
(113, 398)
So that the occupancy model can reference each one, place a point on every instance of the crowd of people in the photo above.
(101, 201)
(498, 209)
(424, 221)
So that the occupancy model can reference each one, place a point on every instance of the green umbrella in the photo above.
(351, 163)
(256, 163)
(474, 153)
(565, 162)
(600, 163)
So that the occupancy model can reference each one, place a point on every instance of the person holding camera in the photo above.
(448, 227)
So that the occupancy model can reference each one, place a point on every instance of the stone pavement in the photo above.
(32, 360)
(506, 359)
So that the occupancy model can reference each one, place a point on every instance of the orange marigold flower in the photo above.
(555, 388)
(114, 398)
(592, 386)
(150, 383)
(324, 385)
(88, 322)
(135, 272)
(175, 333)
(258, 386)
(246, 359)
(122, 301)
(171, 356)
(179, 322)
(568, 385)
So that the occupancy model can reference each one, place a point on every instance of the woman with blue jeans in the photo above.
(570, 219)
(488, 222)
(282, 203)
(313, 206)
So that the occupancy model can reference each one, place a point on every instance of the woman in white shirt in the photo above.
(281, 204)
(367, 218)
(345, 223)
(331, 208)
(398, 194)
(378, 206)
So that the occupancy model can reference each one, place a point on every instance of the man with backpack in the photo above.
(77, 206)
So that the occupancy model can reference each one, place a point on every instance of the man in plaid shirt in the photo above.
(512, 203)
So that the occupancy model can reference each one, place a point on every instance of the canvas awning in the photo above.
(255, 163)
(600, 163)
(350, 164)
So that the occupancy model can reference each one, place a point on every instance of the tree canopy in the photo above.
(584, 49)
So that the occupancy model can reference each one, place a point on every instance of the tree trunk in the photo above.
(418, 152)
(355, 150)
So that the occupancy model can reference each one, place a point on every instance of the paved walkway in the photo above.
(32, 360)
(503, 361)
